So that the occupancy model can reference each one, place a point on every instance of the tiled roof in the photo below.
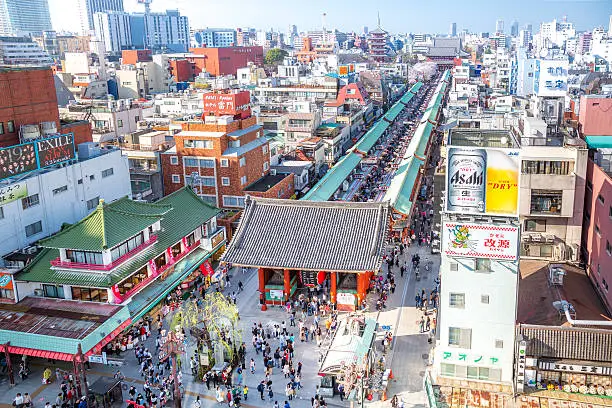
(571, 343)
(188, 212)
(107, 226)
(317, 236)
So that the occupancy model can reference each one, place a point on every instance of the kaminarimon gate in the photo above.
(296, 244)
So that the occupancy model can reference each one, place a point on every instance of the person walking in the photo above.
(261, 390)
(245, 392)
(422, 324)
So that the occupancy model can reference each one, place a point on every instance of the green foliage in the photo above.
(274, 56)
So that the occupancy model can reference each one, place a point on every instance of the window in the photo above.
(127, 246)
(597, 231)
(33, 228)
(243, 180)
(10, 125)
(85, 257)
(484, 299)
(93, 203)
(208, 181)
(30, 201)
(1, 128)
(198, 144)
(107, 172)
(190, 162)
(608, 247)
(457, 300)
(174, 160)
(176, 179)
(233, 201)
(598, 270)
(605, 285)
(7, 294)
(546, 201)
(535, 225)
(224, 163)
(92, 177)
(460, 337)
(264, 149)
(1, 213)
(225, 181)
(53, 291)
(119, 123)
(499, 343)
(242, 161)
(80, 181)
(483, 265)
(266, 166)
(89, 294)
(207, 163)
(234, 143)
(454, 266)
(600, 198)
(60, 190)
(562, 168)
(610, 212)
(589, 185)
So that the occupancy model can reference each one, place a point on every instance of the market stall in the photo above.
(348, 357)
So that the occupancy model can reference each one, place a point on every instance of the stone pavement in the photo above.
(408, 350)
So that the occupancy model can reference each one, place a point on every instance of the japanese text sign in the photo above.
(480, 241)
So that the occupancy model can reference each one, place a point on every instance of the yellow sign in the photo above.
(502, 182)
(13, 192)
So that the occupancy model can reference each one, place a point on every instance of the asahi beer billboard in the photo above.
(482, 181)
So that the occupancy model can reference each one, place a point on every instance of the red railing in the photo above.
(96, 267)
(178, 257)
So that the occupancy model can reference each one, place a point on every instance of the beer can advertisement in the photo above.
(480, 241)
(482, 181)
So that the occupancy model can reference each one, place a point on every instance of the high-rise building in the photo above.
(24, 17)
(22, 51)
(524, 38)
(167, 30)
(514, 29)
(499, 26)
(529, 28)
(113, 29)
(610, 26)
(98, 6)
(452, 31)
(214, 37)
(365, 30)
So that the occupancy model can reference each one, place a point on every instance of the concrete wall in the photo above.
(84, 181)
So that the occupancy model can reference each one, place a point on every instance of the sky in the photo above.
(397, 16)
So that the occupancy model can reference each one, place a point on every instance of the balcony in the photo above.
(58, 263)
(211, 242)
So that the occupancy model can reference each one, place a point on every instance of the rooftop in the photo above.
(266, 182)
(482, 138)
(536, 296)
(307, 235)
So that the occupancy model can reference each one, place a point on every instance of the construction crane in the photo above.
(147, 5)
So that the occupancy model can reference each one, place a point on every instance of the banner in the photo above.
(482, 181)
(480, 241)
(6, 281)
(36, 154)
(13, 192)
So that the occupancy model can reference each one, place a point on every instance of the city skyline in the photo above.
(585, 14)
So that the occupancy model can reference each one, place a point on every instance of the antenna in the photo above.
(378, 13)
(323, 20)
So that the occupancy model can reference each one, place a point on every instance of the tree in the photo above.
(274, 56)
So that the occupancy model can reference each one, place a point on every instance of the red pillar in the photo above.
(333, 291)
(287, 284)
(360, 287)
(262, 288)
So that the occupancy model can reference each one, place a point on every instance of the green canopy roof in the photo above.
(598, 142)
(369, 139)
(402, 184)
(186, 212)
(108, 225)
(327, 186)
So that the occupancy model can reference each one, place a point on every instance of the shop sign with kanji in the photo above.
(481, 241)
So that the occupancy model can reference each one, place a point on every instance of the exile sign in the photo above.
(55, 150)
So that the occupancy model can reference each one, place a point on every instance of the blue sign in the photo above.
(386, 327)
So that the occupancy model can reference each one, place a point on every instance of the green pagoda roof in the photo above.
(108, 225)
(188, 212)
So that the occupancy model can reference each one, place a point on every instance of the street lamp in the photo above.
(172, 347)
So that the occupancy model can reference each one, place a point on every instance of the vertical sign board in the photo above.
(482, 181)
(37, 154)
(520, 367)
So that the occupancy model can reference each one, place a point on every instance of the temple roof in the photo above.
(316, 236)
(108, 225)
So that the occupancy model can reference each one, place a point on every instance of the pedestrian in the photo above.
(270, 393)
(261, 390)
(422, 324)
(428, 324)
(341, 391)
(252, 366)
(245, 392)
(197, 403)
(18, 401)
(287, 405)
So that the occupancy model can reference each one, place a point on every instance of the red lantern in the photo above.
(321, 277)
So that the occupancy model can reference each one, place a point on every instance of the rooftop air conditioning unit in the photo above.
(273, 172)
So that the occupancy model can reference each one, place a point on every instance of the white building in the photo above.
(144, 78)
(555, 33)
(64, 194)
(113, 28)
(90, 7)
(169, 28)
(22, 51)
